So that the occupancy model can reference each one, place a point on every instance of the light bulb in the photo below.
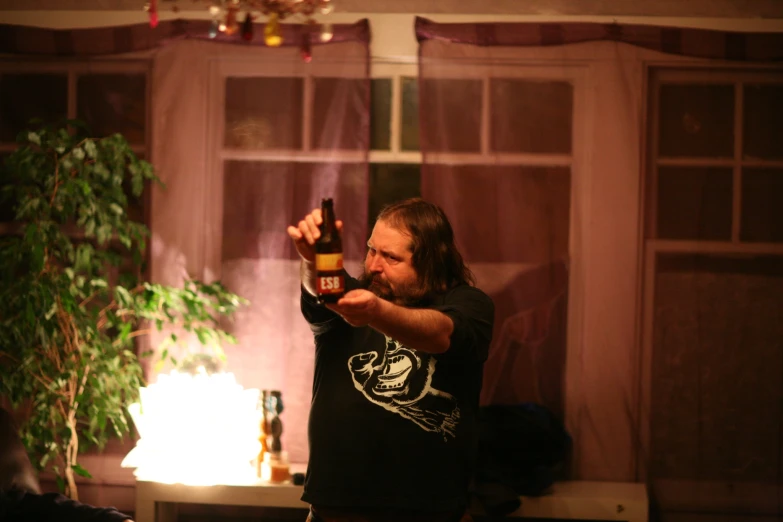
(273, 37)
(327, 32)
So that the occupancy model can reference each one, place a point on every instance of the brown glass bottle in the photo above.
(329, 278)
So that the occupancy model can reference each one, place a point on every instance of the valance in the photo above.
(24, 40)
(697, 43)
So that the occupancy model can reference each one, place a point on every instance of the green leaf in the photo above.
(202, 335)
(122, 295)
(101, 171)
(125, 331)
(51, 311)
(32, 137)
(89, 227)
(125, 240)
(39, 257)
(80, 471)
(86, 188)
(103, 234)
(60, 484)
(89, 147)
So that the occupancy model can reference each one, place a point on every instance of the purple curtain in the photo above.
(652, 325)
(25, 40)
(247, 140)
(283, 135)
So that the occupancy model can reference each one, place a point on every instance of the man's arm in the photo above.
(421, 329)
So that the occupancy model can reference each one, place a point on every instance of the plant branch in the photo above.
(89, 298)
(56, 179)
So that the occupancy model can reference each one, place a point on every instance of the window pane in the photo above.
(716, 368)
(264, 113)
(694, 203)
(461, 104)
(763, 125)
(409, 140)
(539, 196)
(111, 103)
(339, 112)
(696, 121)
(390, 183)
(27, 96)
(762, 205)
(530, 116)
(380, 116)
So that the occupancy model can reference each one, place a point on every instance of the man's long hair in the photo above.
(437, 261)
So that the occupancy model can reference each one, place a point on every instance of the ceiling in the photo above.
(691, 8)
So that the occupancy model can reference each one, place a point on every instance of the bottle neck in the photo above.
(327, 215)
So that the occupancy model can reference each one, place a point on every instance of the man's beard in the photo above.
(406, 295)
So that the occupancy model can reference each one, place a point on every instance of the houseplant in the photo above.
(72, 297)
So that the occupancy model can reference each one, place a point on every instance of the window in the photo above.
(713, 275)
(716, 159)
(109, 96)
(516, 149)
(277, 133)
(395, 160)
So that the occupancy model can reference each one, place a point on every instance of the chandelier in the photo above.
(236, 17)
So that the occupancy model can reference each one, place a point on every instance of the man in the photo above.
(397, 373)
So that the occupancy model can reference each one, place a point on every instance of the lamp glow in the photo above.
(196, 430)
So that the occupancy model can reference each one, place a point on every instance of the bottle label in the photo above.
(330, 284)
(328, 262)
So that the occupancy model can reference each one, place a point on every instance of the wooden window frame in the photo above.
(657, 74)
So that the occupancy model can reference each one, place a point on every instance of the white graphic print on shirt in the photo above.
(399, 379)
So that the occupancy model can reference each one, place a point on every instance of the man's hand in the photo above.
(358, 307)
(421, 329)
(306, 233)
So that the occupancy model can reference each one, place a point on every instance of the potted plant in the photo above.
(72, 296)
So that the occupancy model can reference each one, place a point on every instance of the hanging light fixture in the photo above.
(226, 16)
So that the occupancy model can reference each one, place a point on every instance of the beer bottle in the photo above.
(330, 282)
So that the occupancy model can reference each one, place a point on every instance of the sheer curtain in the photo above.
(248, 140)
(650, 324)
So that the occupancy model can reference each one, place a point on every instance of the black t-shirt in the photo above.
(392, 427)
